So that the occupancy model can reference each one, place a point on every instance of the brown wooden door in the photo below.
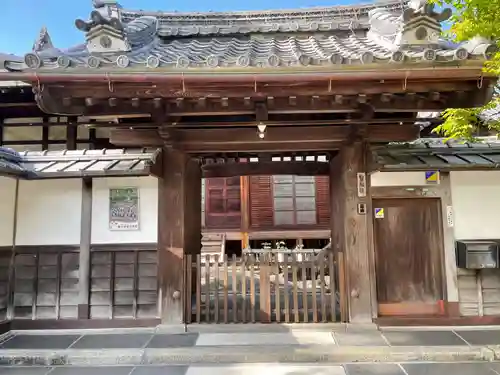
(408, 247)
(223, 202)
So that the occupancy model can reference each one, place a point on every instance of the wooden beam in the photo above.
(263, 91)
(312, 138)
(84, 253)
(284, 121)
(307, 134)
(272, 135)
(135, 137)
(300, 168)
(233, 98)
(323, 104)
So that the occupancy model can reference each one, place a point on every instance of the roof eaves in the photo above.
(77, 164)
(444, 157)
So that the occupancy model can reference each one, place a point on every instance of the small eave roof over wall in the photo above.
(437, 154)
(36, 165)
(376, 35)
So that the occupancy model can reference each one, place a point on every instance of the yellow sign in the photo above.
(379, 213)
(432, 177)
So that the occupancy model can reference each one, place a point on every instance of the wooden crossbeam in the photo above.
(299, 168)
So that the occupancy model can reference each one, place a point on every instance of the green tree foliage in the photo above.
(472, 18)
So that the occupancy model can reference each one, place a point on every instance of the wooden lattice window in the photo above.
(294, 200)
(223, 202)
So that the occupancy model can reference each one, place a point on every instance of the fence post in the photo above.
(265, 291)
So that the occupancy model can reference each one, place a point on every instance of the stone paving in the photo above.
(254, 335)
(254, 345)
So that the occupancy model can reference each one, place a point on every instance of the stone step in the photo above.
(226, 354)
(211, 243)
(213, 236)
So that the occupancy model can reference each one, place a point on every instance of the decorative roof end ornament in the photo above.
(43, 42)
(104, 30)
(421, 24)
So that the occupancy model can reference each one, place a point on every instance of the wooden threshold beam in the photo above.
(299, 168)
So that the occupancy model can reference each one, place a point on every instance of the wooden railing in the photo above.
(263, 286)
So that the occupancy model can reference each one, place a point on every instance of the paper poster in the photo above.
(124, 209)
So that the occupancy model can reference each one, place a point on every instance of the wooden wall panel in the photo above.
(5, 257)
(323, 200)
(45, 284)
(479, 292)
(124, 284)
(261, 202)
(468, 293)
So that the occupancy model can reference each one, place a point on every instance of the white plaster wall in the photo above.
(148, 210)
(476, 204)
(49, 212)
(397, 179)
(7, 203)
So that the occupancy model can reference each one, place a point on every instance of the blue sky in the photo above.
(23, 19)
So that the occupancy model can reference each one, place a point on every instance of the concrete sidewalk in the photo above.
(246, 344)
(269, 369)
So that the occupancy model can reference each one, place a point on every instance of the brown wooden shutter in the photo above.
(261, 202)
(323, 200)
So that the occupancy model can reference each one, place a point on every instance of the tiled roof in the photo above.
(440, 155)
(77, 163)
(378, 33)
(269, 21)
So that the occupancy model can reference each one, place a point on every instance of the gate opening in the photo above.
(315, 243)
(233, 247)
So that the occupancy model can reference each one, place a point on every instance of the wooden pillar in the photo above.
(92, 138)
(1, 131)
(84, 258)
(10, 293)
(179, 228)
(450, 261)
(350, 230)
(245, 210)
(71, 133)
(45, 134)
